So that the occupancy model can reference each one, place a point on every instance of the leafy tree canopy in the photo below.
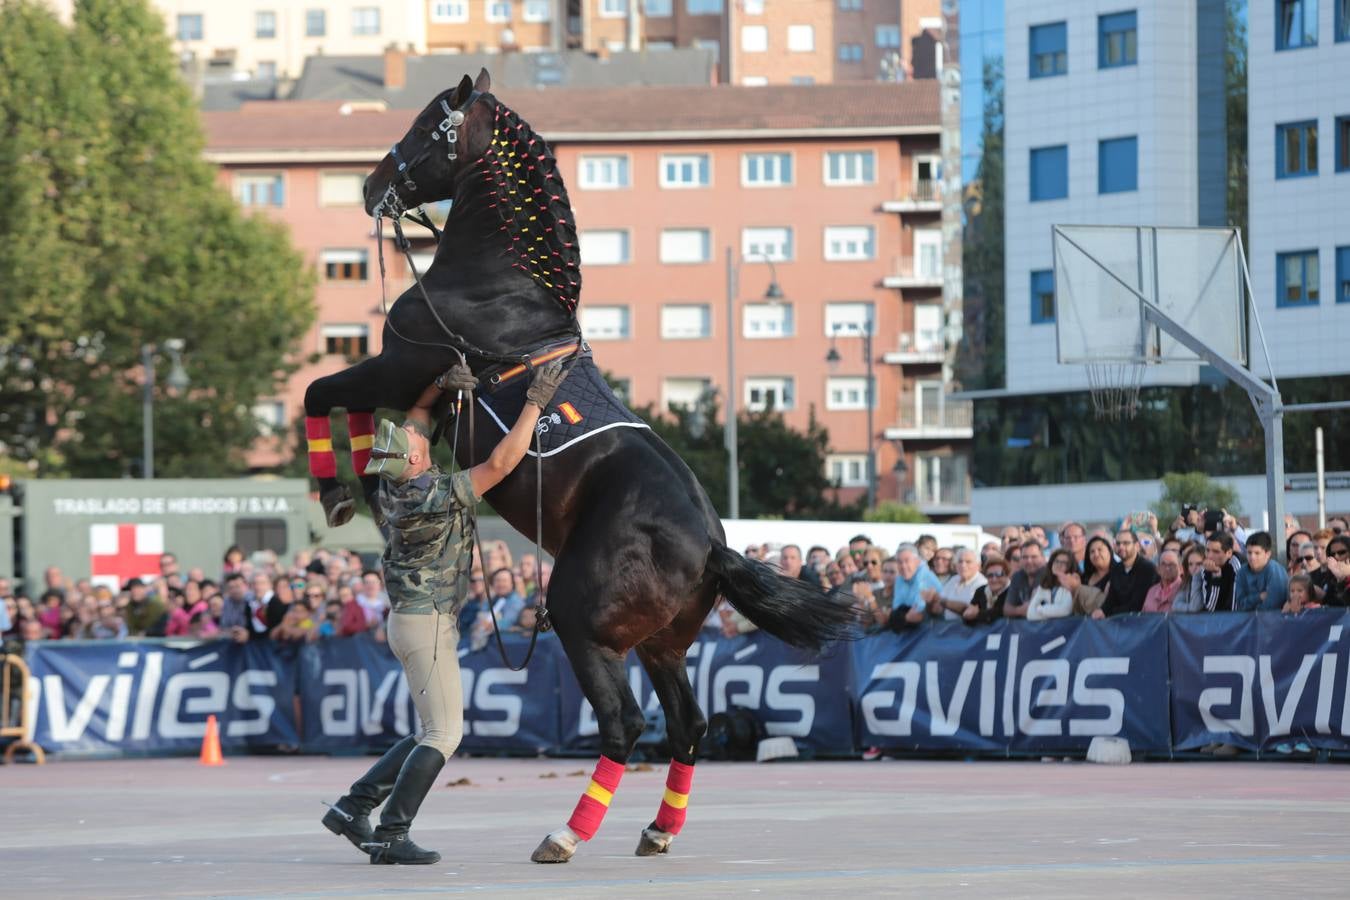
(1197, 489)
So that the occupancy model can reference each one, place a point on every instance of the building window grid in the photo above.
(691, 170)
(801, 39)
(190, 27)
(775, 243)
(346, 265)
(366, 20)
(1343, 141)
(1049, 54)
(1117, 40)
(686, 245)
(850, 167)
(1042, 296)
(1049, 173)
(850, 52)
(497, 10)
(351, 341)
(1343, 274)
(754, 38)
(767, 320)
(658, 9)
(1296, 149)
(686, 321)
(703, 7)
(606, 323)
(1295, 24)
(316, 23)
(1297, 277)
(846, 470)
(264, 24)
(843, 393)
(604, 247)
(1118, 165)
(887, 37)
(1342, 21)
(769, 392)
(684, 393)
(541, 11)
(849, 5)
(613, 9)
(260, 190)
(601, 173)
(766, 169)
(849, 242)
(848, 318)
(450, 11)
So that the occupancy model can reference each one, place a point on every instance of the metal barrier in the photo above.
(14, 669)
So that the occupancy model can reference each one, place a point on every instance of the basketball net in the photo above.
(1115, 389)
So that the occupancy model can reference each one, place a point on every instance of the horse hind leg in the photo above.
(604, 681)
(356, 389)
(685, 727)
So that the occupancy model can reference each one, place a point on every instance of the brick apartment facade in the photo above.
(836, 184)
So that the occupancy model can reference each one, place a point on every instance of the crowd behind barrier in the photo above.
(269, 611)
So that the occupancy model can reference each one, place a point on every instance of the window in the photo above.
(190, 27)
(1117, 165)
(604, 323)
(252, 535)
(450, 11)
(752, 7)
(801, 39)
(259, 190)
(770, 243)
(766, 169)
(888, 37)
(710, 44)
(1295, 24)
(928, 331)
(1343, 141)
(366, 20)
(1049, 50)
(802, 79)
(542, 10)
(270, 416)
(316, 23)
(341, 189)
(608, 247)
(658, 9)
(345, 265)
(1296, 279)
(266, 71)
(1049, 173)
(755, 38)
(754, 81)
(613, 9)
(684, 171)
(849, 242)
(1117, 40)
(686, 245)
(849, 5)
(1343, 274)
(1042, 296)
(497, 10)
(767, 320)
(846, 392)
(1296, 149)
(846, 469)
(850, 52)
(1342, 20)
(265, 24)
(850, 167)
(764, 392)
(849, 318)
(703, 7)
(684, 321)
(928, 252)
(350, 341)
(684, 393)
(601, 173)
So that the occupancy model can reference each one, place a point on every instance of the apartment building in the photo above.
(828, 192)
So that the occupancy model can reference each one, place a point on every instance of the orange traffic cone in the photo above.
(211, 744)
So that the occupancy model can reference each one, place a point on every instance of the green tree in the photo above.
(114, 233)
(981, 357)
(891, 511)
(1195, 488)
(1235, 111)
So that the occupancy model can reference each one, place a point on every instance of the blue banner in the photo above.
(1257, 680)
(1015, 686)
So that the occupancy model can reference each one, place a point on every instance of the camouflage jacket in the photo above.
(428, 541)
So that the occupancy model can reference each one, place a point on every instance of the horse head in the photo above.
(451, 132)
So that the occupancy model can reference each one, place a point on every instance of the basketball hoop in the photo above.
(1115, 389)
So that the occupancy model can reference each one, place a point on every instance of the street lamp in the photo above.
(177, 381)
(833, 358)
(774, 294)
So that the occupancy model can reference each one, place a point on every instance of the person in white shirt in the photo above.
(1062, 592)
(958, 591)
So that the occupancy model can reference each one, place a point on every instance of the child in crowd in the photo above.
(1300, 595)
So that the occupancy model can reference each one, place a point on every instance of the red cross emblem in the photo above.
(121, 552)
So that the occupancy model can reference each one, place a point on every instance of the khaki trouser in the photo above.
(432, 673)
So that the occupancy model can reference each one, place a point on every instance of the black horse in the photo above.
(639, 547)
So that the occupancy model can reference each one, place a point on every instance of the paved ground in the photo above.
(142, 828)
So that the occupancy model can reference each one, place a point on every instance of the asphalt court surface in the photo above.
(169, 827)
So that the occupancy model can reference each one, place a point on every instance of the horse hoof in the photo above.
(556, 848)
(653, 842)
(338, 506)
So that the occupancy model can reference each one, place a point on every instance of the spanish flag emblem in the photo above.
(570, 412)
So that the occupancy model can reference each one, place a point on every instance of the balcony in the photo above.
(912, 272)
(944, 420)
(947, 493)
(924, 195)
(917, 349)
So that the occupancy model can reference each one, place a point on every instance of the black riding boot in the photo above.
(348, 817)
(391, 845)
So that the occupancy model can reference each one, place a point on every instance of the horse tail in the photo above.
(790, 609)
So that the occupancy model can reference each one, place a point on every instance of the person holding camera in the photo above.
(427, 557)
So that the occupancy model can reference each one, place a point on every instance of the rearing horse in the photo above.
(640, 552)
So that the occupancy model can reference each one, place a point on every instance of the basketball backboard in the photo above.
(1104, 275)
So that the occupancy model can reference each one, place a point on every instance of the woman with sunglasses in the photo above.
(987, 603)
(1328, 577)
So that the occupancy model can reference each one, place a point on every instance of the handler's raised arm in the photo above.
(508, 454)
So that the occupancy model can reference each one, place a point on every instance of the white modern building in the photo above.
(1298, 132)
(1114, 115)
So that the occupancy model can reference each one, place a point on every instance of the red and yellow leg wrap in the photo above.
(361, 427)
(593, 804)
(670, 817)
(319, 434)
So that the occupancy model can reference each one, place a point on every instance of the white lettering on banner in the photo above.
(182, 506)
(1112, 699)
(750, 676)
(121, 699)
(245, 701)
(1210, 697)
(803, 703)
(587, 726)
(1057, 670)
(1280, 721)
(872, 701)
(337, 712)
(72, 729)
(171, 724)
(510, 705)
(948, 721)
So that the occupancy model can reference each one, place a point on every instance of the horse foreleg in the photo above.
(685, 727)
(605, 684)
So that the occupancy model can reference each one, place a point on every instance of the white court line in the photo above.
(204, 660)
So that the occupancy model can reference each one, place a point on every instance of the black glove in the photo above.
(458, 378)
(545, 384)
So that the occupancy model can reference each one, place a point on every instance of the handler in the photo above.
(426, 558)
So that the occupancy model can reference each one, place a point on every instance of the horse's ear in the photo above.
(483, 83)
(461, 93)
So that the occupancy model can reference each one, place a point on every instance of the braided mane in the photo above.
(527, 191)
